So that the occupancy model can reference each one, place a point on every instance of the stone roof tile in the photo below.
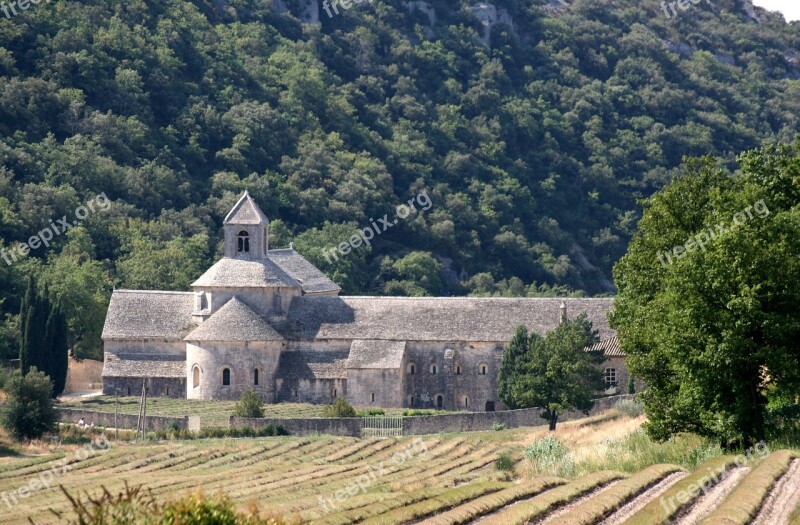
(298, 268)
(235, 321)
(245, 273)
(371, 353)
(309, 364)
(143, 314)
(144, 365)
(434, 319)
(246, 211)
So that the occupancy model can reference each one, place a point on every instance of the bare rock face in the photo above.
(309, 12)
(426, 8)
(280, 6)
(490, 16)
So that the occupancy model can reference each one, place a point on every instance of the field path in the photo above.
(783, 499)
(632, 507)
(709, 501)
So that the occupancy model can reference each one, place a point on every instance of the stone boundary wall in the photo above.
(420, 425)
(334, 426)
(106, 419)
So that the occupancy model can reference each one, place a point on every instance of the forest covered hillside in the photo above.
(533, 128)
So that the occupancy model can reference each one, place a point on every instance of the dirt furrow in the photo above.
(636, 504)
(569, 506)
(710, 500)
(783, 499)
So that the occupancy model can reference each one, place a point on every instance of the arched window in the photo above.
(458, 370)
(411, 401)
(411, 369)
(466, 402)
(372, 398)
(334, 393)
(166, 391)
(433, 369)
(255, 377)
(439, 402)
(226, 377)
(483, 369)
(295, 393)
(195, 377)
(244, 241)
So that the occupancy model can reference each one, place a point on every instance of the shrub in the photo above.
(249, 405)
(29, 409)
(369, 412)
(630, 407)
(339, 408)
(551, 456)
(497, 427)
(504, 462)
(419, 413)
(132, 505)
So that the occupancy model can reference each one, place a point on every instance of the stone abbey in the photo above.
(271, 321)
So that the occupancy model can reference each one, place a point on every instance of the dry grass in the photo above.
(743, 504)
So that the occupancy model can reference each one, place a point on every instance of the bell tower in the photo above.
(246, 230)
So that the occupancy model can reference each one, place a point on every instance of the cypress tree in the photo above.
(58, 360)
(39, 345)
(24, 314)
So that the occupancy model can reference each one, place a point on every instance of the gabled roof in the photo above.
(298, 268)
(144, 365)
(434, 319)
(246, 211)
(372, 353)
(235, 321)
(143, 314)
(309, 364)
(245, 273)
(610, 347)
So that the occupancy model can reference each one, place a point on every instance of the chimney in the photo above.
(563, 309)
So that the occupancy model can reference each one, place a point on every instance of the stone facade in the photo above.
(270, 321)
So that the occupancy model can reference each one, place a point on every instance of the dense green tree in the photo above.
(29, 411)
(555, 372)
(711, 326)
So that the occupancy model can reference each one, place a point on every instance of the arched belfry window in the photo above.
(226, 377)
(196, 377)
(244, 242)
(255, 377)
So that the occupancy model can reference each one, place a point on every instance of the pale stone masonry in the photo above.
(271, 321)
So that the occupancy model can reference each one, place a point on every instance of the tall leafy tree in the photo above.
(713, 330)
(555, 372)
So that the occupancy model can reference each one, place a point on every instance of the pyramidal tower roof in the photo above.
(246, 211)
